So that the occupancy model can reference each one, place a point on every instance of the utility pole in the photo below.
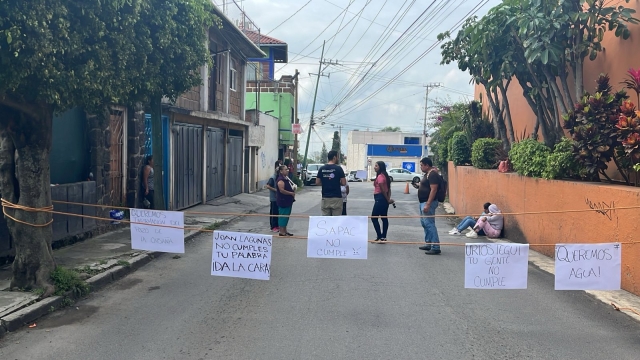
(313, 107)
(295, 121)
(426, 107)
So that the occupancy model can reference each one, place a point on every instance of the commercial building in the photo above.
(396, 149)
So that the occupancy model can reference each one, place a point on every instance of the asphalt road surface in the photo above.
(398, 304)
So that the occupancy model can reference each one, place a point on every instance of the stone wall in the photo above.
(135, 154)
(99, 163)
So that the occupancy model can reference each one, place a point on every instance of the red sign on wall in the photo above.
(297, 129)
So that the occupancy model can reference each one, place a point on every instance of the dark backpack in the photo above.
(442, 189)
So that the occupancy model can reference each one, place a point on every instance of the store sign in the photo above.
(394, 150)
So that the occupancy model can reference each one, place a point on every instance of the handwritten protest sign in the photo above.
(337, 237)
(147, 235)
(241, 255)
(496, 266)
(588, 266)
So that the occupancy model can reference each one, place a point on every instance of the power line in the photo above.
(471, 12)
(386, 51)
(289, 18)
(364, 18)
(385, 35)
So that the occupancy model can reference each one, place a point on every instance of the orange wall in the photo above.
(618, 56)
(469, 188)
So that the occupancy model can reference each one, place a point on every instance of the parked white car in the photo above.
(400, 174)
(352, 177)
(311, 173)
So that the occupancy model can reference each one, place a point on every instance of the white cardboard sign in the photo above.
(588, 266)
(241, 255)
(496, 266)
(147, 235)
(338, 237)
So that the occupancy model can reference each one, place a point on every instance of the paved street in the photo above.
(398, 304)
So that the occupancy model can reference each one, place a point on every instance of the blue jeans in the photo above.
(469, 221)
(429, 226)
(466, 222)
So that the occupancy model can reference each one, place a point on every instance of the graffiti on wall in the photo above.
(263, 159)
(603, 208)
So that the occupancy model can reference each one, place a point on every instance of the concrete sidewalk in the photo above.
(111, 252)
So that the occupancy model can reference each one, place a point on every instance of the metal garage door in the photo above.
(234, 166)
(215, 163)
(187, 166)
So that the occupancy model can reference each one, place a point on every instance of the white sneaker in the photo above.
(454, 232)
(472, 234)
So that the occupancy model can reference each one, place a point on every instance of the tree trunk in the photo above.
(498, 123)
(542, 121)
(501, 127)
(565, 87)
(25, 144)
(578, 71)
(557, 95)
(507, 110)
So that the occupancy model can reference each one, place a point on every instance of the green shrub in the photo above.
(460, 150)
(442, 156)
(562, 162)
(65, 280)
(529, 157)
(484, 153)
(450, 149)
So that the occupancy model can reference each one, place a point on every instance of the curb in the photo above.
(31, 313)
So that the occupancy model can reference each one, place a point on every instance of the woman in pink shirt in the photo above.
(382, 197)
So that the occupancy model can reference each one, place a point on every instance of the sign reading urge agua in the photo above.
(337, 237)
(156, 230)
(241, 255)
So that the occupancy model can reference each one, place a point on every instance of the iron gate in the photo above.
(234, 166)
(116, 153)
(215, 163)
(187, 166)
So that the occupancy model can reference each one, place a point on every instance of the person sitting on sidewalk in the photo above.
(492, 224)
(469, 222)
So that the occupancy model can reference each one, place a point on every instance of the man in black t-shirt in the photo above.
(331, 176)
(427, 191)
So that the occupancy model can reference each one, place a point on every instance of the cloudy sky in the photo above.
(386, 52)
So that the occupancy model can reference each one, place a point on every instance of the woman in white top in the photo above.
(345, 192)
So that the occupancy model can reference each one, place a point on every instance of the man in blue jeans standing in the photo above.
(427, 191)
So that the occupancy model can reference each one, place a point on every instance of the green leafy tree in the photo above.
(336, 144)
(540, 43)
(323, 154)
(57, 54)
(390, 129)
